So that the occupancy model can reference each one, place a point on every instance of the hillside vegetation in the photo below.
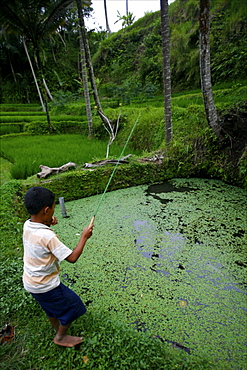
(130, 61)
(128, 64)
(194, 151)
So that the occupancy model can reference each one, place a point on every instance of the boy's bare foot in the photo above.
(67, 340)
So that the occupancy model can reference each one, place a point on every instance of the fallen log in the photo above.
(46, 171)
(107, 161)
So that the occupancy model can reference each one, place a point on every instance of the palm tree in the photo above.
(33, 21)
(11, 55)
(206, 84)
(166, 68)
(127, 19)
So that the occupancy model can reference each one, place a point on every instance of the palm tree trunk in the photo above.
(89, 63)
(47, 89)
(41, 76)
(104, 119)
(34, 76)
(166, 68)
(206, 84)
(83, 65)
(12, 69)
(86, 89)
(127, 8)
(85, 86)
(106, 18)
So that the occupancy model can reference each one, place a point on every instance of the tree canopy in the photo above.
(126, 63)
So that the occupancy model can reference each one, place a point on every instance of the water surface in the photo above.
(169, 260)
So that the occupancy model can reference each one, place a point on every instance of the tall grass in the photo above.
(28, 152)
(10, 129)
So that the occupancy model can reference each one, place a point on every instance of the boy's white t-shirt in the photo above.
(43, 252)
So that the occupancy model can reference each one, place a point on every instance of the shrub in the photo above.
(57, 127)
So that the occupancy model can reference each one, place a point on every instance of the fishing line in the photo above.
(114, 170)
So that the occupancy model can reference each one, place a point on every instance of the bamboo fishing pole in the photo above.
(113, 172)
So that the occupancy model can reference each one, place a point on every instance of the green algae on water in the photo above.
(166, 262)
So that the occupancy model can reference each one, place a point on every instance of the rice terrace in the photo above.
(163, 276)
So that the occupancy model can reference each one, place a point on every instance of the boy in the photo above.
(43, 252)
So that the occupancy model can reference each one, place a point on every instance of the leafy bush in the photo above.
(57, 127)
(13, 296)
(11, 193)
(69, 108)
(126, 93)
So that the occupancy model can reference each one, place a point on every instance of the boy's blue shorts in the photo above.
(61, 303)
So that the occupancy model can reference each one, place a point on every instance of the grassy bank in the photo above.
(107, 344)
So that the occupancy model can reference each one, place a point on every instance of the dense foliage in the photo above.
(129, 63)
(135, 53)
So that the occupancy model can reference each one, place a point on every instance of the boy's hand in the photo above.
(87, 232)
(54, 220)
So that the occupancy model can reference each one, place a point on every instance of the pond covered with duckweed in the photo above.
(169, 260)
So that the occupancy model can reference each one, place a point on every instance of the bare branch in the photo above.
(46, 171)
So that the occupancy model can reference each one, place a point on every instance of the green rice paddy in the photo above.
(29, 152)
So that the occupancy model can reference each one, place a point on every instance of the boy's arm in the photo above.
(86, 234)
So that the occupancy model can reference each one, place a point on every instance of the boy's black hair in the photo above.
(37, 198)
